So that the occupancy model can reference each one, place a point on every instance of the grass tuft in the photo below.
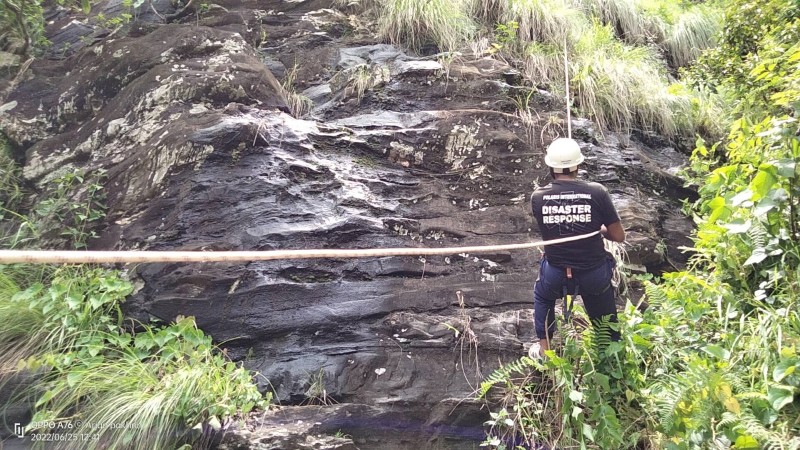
(415, 24)
(631, 20)
(158, 388)
(357, 80)
(159, 399)
(681, 33)
(21, 334)
(299, 105)
(624, 87)
(546, 21)
(695, 31)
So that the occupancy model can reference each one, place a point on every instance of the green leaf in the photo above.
(778, 396)
(46, 397)
(602, 380)
(741, 197)
(74, 301)
(576, 396)
(716, 202)
(576, 411)
(588, 431)
(97, 301)
(763, 412)
(738, 226)
(746, 442)
(73, 378)
(213, 422)
(764, 206)
(758, 255)
(784, 369)
(763, 182)
(785, 167)
(717, 351)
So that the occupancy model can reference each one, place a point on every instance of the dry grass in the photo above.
(359, 79)
(299, 105)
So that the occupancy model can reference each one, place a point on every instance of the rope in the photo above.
(149, 256)
(566, 87)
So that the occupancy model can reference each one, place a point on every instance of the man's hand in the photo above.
(614, 232)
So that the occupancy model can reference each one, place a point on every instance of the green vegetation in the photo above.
(416, 23)
(713, 362)
(21, 26)
(10, 191)
(621, 86)
(622, 54)
(146, 386)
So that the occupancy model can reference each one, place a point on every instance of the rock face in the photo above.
(201, 153)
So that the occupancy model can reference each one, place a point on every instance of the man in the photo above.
(570, 207)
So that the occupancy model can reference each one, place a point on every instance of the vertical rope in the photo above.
(566, 85)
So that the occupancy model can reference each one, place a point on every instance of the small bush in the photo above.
(159, 387)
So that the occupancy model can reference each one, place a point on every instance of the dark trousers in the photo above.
(594, 287)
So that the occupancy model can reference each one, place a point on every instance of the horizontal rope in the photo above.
(152, 256)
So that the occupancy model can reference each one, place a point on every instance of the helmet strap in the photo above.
(558, 173)
(565, 170)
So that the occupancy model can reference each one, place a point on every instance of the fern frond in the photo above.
(656, 294)
(503, 374)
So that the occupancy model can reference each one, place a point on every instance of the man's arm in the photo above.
(613, 232)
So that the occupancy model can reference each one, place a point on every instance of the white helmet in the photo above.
(563, 155)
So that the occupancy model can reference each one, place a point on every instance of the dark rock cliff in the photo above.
(194, 130)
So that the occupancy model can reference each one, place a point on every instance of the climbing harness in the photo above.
(571, 290)
(153, 256)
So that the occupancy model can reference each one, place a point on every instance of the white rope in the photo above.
(566, 84)
(152, 256)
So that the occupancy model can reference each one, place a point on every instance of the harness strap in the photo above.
(570, 290)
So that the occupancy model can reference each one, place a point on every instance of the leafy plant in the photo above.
(21, 26)
(164, 385)
(158, 387)
(73, 206)
(10, 181)
(571, 399)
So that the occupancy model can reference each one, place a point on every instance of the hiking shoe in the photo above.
(534, 351)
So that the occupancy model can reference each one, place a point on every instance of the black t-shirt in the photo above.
(567, 208)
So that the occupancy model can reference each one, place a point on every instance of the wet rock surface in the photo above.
(201, 153)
